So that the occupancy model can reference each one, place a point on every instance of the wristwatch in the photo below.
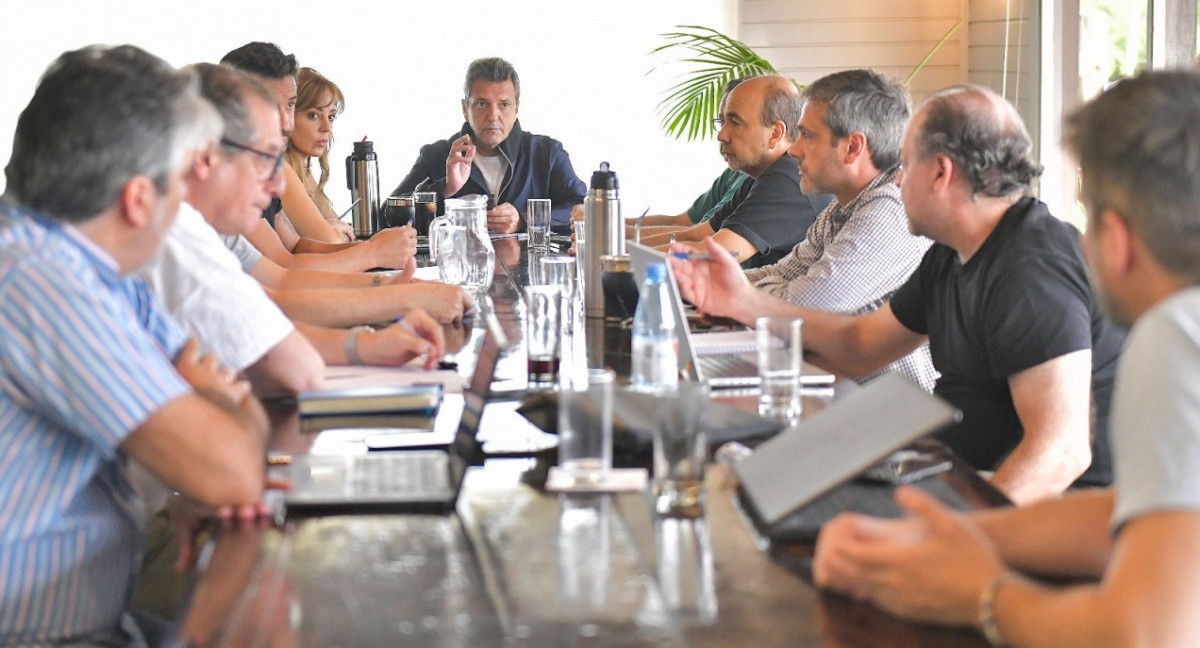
(351, 344)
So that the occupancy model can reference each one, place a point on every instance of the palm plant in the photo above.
(689, 106)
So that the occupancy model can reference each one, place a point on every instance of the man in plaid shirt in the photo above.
(859, 249)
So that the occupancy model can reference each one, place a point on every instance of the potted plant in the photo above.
(689, 106)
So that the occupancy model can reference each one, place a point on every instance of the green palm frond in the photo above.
(689, 106)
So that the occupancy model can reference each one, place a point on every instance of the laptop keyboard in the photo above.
(398, 472)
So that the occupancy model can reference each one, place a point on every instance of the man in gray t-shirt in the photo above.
(1137, 146)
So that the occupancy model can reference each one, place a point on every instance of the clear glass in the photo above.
(578, 249)
(543, 334)
(780, 351)
(537, 222)
(585, 426)
(559, 270)
(680, 451)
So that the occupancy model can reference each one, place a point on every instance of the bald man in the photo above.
(769, 214)
(1002, 297)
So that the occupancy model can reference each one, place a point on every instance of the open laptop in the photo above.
(803, 463)
(733, 361)
(427, 475)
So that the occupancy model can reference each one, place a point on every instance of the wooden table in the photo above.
(516, 566)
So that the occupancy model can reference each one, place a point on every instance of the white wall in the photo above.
(583, 69)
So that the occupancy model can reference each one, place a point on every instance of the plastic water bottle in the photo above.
(655, 347)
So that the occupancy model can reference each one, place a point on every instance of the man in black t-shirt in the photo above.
(769, 214)
(1002, 297)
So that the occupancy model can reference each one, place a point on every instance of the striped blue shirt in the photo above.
(83, 363)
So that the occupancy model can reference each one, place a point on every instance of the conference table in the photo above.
(515, 565)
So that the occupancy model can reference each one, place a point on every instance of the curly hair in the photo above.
(983, 135)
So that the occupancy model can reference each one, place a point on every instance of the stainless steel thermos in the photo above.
(605, 235)
(362, 178)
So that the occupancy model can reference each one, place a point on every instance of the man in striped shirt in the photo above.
(93, 376)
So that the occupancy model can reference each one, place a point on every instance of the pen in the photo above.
(700, 256)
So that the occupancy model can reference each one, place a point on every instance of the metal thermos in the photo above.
(362, 178)
(605, 235)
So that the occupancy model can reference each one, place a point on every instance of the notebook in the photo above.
(850, 435)
(482, 429)
(722, 359)
(415, 398)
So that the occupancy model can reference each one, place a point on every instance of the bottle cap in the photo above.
(364, 149)
(604, 179)
(656, 272)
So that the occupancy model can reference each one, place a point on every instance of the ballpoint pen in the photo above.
(701, 256)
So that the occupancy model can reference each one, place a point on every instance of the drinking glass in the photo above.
(537, 222)
(585, 426)
(680, 450)
(426, 211)
(779, 359)
(543, 334)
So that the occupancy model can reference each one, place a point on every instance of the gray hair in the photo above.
(99, 117)
(230, 90)
(1138, 146)
(983, 135)
(781, 102)
(864, 101)
(494, 70)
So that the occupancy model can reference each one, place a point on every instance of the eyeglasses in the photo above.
(268, 164)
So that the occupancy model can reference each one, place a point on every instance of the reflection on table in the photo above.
(517, 566)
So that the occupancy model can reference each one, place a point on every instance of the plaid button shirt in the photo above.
(853, 259)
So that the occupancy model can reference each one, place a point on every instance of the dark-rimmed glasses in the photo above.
(268, 164)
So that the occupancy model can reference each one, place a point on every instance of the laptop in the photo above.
(808, 460)
(427, 476)
(724, 359)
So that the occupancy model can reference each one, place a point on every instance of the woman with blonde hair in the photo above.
(318, 103)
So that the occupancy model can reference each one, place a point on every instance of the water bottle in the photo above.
(655, 347)
(362, 178)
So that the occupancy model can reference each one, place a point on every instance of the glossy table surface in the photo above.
(517, 566)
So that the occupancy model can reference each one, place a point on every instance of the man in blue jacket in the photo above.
(492, 156)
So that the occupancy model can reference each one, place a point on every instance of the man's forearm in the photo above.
(340, 308)
(1062, 538)
(353, 259)
(1035, 471)
(311, 279)
(310, 246)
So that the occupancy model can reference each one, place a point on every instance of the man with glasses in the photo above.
(203, 285)
(320, 248)
(492, 156)
(769, 214)
(93, 372)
